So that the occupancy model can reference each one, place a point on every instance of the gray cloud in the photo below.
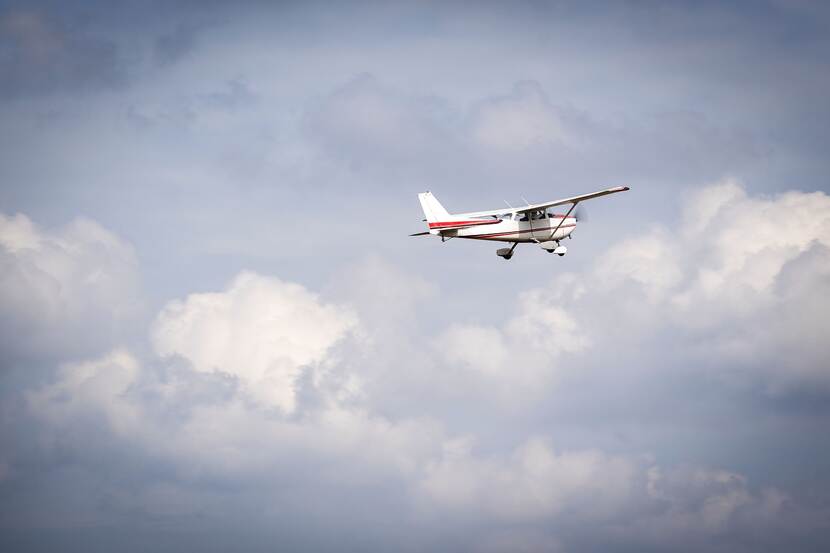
(210, 415)
(41, 56)
(172, 47)
(292, 371)
(56, 285)
(375, 126)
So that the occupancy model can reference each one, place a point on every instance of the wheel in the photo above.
(506, 253)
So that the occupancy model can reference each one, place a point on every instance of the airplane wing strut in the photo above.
(561, 221)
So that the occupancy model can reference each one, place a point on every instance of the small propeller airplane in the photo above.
(526, 224)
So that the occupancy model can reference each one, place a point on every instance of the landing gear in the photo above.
(554, 247)
(506, 253)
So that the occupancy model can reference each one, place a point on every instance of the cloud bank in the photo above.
(215, 333)
(263, 390)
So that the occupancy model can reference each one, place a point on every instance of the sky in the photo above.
(217, 335)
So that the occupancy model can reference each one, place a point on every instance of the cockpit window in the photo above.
(534, 216)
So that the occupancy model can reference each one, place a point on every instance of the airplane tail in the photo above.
(433, 210)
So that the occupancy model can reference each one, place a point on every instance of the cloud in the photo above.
(192, 424)
(524, 135)
(376, 125)
(520, 359)
(726, 278)
(261, 330)
(171, 47)
(736, 287)
(661, 387)
(372, 125)
(627, 501)
(223, 452)
(533, 483)
(385, 295)
(56, 285)
(91, 388)
(207, 451)
(522, 120)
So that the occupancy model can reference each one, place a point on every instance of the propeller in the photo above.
(580, 214)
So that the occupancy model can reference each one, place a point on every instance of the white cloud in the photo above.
(175, 454)
(626, 499)
(545, 328)
(518, 360)
(519, 121)
(90, 387)
(479, 348)
(651, 261)
(441, 477)
(738, 286)
(728, 246)
(70, 291)
(385, 295)
(750, 239)
(261, 323)
(533, 483)
(261, 330)
(221, 436)
(739, 281)
(269, 335)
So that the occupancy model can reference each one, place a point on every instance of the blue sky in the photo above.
(217, 333)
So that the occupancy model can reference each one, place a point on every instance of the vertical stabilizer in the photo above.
(433, 210)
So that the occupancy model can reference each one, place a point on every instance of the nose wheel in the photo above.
(554, 246)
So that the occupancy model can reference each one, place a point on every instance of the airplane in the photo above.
(527, 224)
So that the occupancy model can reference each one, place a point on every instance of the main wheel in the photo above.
(506, 253)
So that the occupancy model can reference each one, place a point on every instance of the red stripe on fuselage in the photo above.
(493, 235)
(443, 224)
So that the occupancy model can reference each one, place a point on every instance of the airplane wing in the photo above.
(539, 207)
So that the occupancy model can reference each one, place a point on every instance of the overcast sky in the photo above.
(216, 333)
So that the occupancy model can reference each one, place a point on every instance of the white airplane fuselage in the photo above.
(514, 230)
(516, 225)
